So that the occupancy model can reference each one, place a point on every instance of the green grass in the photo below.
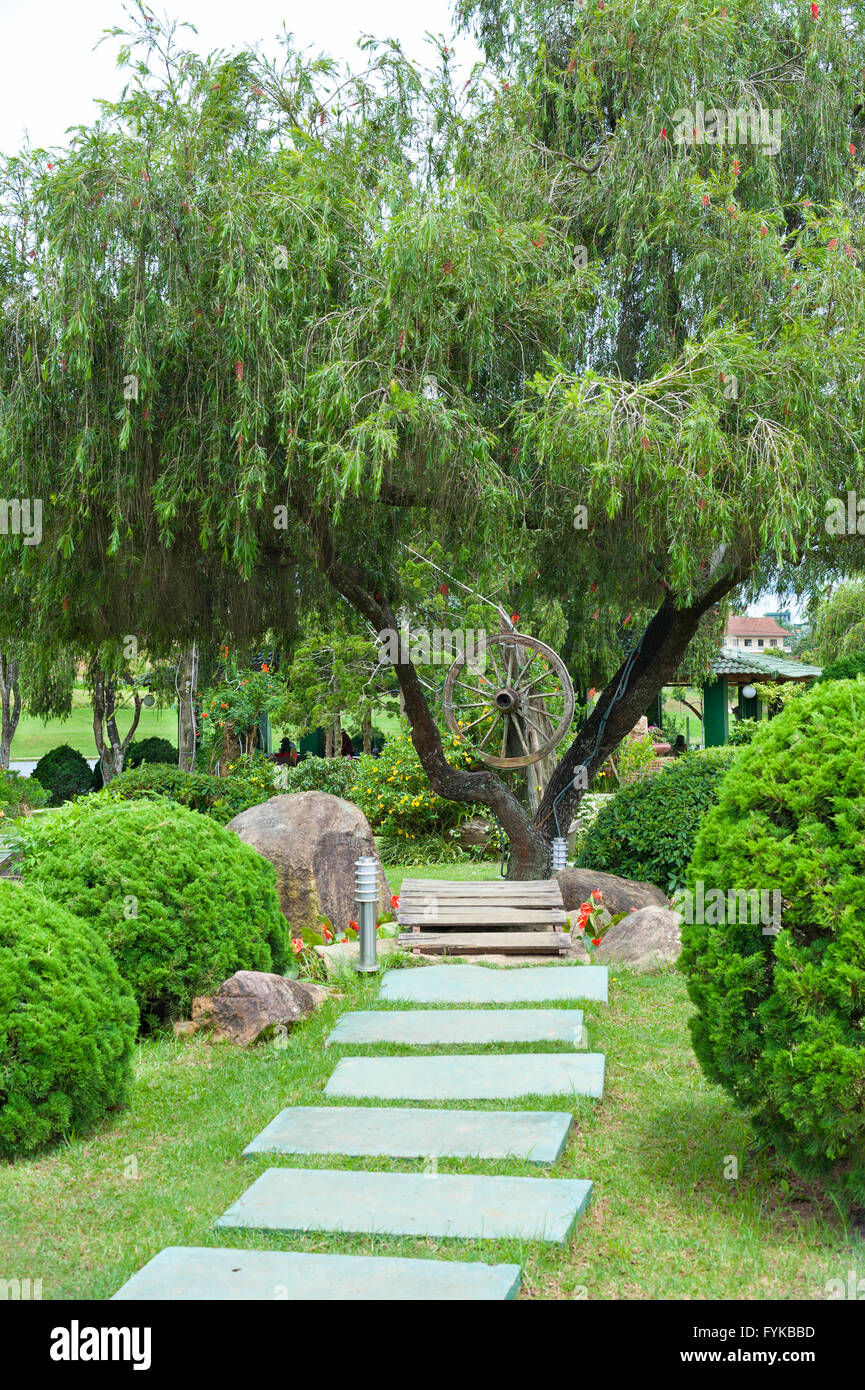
(33, 737)
(664, 1222)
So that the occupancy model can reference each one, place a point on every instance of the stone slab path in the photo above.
(437, 1027)
(199, 1272)
(472, 1076)
(477, 984)
(399, 1132)
(443, 1205)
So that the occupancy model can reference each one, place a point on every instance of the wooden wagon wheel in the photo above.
(512, 697)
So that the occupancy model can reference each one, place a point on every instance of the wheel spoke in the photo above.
(486, 736)
(505, 735)
(521, 735)
(465, 727)
(526, 666)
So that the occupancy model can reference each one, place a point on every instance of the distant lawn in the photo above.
(395, 873)
(33, 737)
(664, 1222)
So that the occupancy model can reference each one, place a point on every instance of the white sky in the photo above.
(49, 72)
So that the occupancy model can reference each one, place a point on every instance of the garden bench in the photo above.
(523, 918)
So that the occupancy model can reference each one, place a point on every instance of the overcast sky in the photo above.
(50, 73)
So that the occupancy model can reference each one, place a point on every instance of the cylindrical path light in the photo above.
(366, 896)
(560, 853)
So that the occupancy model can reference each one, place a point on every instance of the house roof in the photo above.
(755, 627)
(732, 661)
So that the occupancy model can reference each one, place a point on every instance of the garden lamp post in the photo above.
(366, 894)
(560, 853)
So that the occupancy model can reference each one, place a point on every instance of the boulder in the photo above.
(476, 831)
(620, 894)
(312, 839)
(251, 1001)
(643, 940)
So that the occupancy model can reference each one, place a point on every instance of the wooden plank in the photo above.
(483, 917)
(487, 899)
(473, 943)
(495, 885)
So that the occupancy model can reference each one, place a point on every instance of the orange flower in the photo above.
(265, 668)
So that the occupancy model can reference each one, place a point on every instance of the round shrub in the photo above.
(394, 793)
(67, 1023)
(334, 775)
(64, 773)
(151, 750)
(846, 668)
(181, 902)
(779, 1018)
(647, 830)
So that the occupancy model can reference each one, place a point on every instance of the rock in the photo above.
(202, 1009)
(620, 894)
(336, 955)
(251, 1001)
(643, 940)
(474, 832)
(185, 1028)
(312, 839)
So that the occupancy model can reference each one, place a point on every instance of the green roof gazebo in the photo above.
(738, 668)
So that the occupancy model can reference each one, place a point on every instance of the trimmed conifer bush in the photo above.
(779, 1018)
(648, 829)
(67, 1023)
(64, 773)
(181, 902)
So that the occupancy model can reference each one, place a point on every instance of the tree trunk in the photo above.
(109, 745)
(366, 729)
(10, 707)
(186, 689)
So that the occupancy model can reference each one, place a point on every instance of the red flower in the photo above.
(265, 668)
(297, 943)
(328, 934)
(764, 231)
(815, 10)
(736, 168)
(852, 148)
(597, 894)
(238, 370)
(443, 590)
(540, 241)
(596, 940)
(592, 693)
(394, 901)
(593, 587)
(702, 505)
(515, 617)
(663, 132)
(705, 200)
(402, 339)
(732, 211)
(353, 925)
(644, 443)
(595, 616)
(849, 251)
(832, 244)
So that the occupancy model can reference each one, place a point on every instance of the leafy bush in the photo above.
(151, 750)
(181, 902)
(395, 795)
(67, 1023)
(64, 773)
(780, 1017)
(18, 795)
(220, 798)
(590, 807)
(648, 829)
(433, 849)
(743, 731)
(334, 775)
(632, 758)
(846, 668)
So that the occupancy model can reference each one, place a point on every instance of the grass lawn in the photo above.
(664, 1222)
(33, 737)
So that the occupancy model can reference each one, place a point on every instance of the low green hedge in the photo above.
(649, 828)
(220, 798)
(181, 902)
(18, 795)
(67, 1023)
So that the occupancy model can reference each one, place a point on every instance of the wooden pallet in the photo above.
(435, 910)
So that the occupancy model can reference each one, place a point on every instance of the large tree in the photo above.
(262, 330)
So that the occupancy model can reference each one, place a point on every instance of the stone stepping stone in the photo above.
(500, 1076)
(477, 984)
(198, 1272)
(410, 1204)
(431, 1027)
(397, 1132)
